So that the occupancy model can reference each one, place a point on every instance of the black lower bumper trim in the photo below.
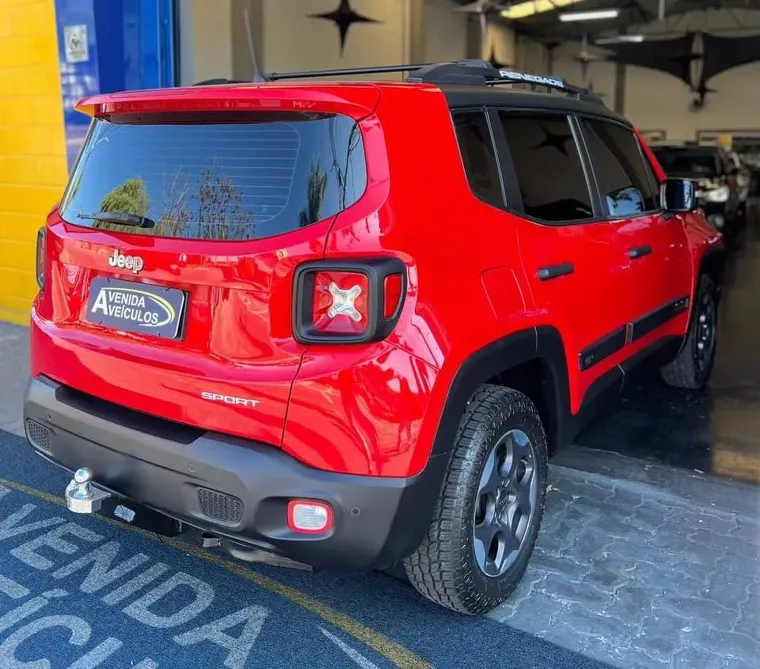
(378, 521)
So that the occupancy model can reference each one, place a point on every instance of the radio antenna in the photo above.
(257, 73)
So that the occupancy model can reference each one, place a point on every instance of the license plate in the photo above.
(136, 307)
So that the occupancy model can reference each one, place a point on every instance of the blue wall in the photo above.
(130, 45)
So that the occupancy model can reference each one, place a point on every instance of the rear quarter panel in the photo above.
(454, 246)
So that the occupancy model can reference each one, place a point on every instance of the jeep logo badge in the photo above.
(133, 263)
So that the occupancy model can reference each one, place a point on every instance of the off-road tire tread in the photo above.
(439, 569)
(682, 372)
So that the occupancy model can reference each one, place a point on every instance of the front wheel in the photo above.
(693, 366)
(487, 518)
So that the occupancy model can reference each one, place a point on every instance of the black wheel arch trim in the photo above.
(713, 264)
(544, 344)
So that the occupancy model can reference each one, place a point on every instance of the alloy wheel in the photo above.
(505, 503)
(705, 335)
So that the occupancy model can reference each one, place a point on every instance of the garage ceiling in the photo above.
(545, 24)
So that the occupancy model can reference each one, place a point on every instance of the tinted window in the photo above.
(626, 182)
(687, 161)
(218, 176)
(548, 166)
(478, 156)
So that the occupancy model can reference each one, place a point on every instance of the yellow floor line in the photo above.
(394, 652)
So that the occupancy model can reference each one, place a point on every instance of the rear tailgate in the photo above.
(169, 263)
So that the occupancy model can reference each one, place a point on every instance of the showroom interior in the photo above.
(651, 552)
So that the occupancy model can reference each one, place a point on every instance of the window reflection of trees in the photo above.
(317, 177)
(212, 209)
(129, 197)
(316, 185)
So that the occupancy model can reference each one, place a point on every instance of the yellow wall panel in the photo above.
(17, 255)
(32, 144)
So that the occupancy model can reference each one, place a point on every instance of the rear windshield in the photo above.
(216, 176)
(689, 162)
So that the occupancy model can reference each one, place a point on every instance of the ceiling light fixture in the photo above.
(620, 39)
(594, 15)
(523, 10)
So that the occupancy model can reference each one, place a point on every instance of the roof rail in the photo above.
(473, 72)
(483, 73)
(380, 69)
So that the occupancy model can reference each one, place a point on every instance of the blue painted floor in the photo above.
(199, 613)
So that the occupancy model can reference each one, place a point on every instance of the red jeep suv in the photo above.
(343, 325)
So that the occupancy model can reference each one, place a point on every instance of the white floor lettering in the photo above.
(355, 655)
(140, 608)
(53, 539)
(239, 648)
(8, 527)
(98, 655)
(28, 609)
(3, 491)
(137, 583)
(102, 573)
(80, 635)
(12, 589)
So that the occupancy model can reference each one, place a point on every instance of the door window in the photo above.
(548, 167)
(478, 156)
(626, 181)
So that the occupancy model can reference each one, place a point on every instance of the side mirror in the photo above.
(678, 195)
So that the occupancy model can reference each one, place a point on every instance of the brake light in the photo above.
(340, 302)
(348, 301)
(40, 259)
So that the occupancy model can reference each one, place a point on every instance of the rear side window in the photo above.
(626, 181)
(548, 167)
(478, 156)
(216, 176)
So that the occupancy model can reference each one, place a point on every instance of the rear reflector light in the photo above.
(40, 260)
(340, 302)
(309, 517)
(393, 287)
(348, 301)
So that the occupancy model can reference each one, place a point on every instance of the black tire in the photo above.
(693, 366)
(444, 568)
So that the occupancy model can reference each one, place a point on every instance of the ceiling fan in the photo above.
(584, 57)
(482, 9)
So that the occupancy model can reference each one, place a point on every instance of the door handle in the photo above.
(639, 251)
(553, 271)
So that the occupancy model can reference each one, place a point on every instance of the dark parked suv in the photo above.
(343, 325)
(722, 182)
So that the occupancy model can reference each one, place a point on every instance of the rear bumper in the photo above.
(231, 487)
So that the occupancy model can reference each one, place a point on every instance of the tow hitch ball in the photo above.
(81, 495)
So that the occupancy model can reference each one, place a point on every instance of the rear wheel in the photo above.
(488, 515)
(693, 366)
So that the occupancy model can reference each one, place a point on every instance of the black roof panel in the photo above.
(465, 95)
